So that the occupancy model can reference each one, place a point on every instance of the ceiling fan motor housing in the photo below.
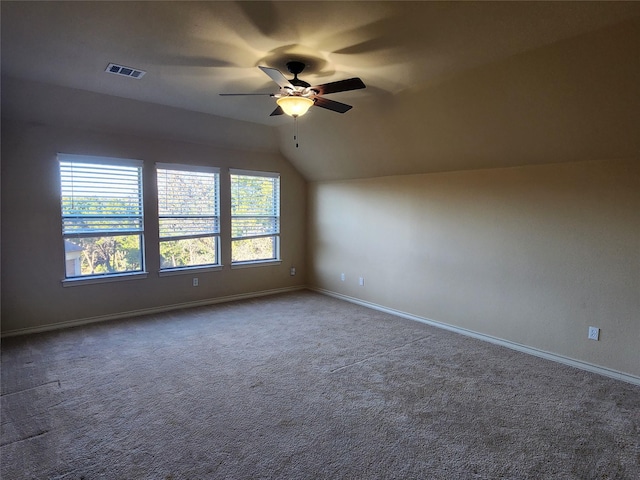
(295, 68)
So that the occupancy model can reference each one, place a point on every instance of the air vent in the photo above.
(124, 71)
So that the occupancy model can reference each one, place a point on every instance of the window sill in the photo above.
(257, 263)
(189, 270)
(76, 282)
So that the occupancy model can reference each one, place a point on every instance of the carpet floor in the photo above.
(302, 386)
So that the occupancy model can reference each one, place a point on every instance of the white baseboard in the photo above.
(147, 311)
(488, 338)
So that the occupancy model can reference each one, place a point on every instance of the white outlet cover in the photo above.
(594, 333)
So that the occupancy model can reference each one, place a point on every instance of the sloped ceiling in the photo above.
(450, 85)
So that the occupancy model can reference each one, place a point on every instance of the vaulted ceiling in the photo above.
(450, 85)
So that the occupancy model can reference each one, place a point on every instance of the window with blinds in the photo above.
(188, 216)
(255, 216)
(102, 215)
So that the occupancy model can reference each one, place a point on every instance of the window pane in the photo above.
(252, 249)
(103, 255)
(100, 198)
(187, 193)
(255, 216)
(188, 252)
(188, 215)
(102, 215)
(254, 195)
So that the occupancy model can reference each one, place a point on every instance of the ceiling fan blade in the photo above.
(277, 111)
(332, 105)
(242, 94)
(339, 86)
(277, 77)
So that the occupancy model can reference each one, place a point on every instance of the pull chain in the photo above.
(295, 129)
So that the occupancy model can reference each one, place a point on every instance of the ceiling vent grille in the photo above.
(124, 71)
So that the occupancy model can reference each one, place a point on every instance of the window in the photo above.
(255, 216)
(189, 218)
(102, 218)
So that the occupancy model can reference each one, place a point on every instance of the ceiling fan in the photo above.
(296, 96)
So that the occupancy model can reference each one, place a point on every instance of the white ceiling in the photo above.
(192, 51)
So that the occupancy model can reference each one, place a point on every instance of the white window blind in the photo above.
(188, 201)
(98, 198)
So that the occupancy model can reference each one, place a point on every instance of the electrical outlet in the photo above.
(195, 281)
(361, 281)
(342, 277)
(292, 271)
(594, 333)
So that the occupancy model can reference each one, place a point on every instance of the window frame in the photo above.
(277, 259)
(67, 158)
(168, 271)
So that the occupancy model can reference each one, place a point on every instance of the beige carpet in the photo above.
(302, 386)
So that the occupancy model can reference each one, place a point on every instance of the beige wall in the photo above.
(32, 248)
(532, 255)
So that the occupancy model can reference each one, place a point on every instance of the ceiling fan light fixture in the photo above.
(295, 105)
